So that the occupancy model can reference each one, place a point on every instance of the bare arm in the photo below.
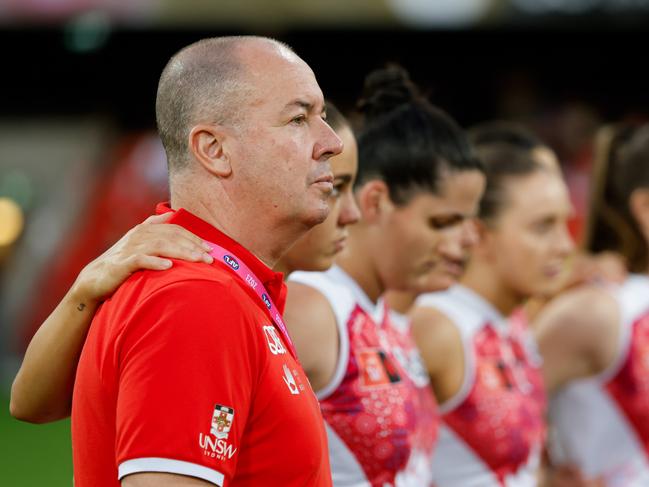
(440, 346)
(312, 325)
(42, 389)
(162, 480)
(577, 334)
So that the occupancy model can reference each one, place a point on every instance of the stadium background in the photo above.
(80, 162)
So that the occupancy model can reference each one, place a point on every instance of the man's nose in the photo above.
(328, 144)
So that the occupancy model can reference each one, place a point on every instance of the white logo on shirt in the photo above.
(274, 343)
(216, 448)
(290, 381)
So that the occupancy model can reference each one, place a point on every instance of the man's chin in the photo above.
(315, 216)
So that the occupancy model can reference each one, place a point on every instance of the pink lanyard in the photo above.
(243, 271)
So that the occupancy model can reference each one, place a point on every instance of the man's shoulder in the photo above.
(199, 277)
(199, 299)
(202, 288)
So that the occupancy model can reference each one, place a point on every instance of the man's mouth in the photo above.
(325, 182)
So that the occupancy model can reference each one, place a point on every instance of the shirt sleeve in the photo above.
(187, 366)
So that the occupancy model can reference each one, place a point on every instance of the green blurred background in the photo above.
(34, 455)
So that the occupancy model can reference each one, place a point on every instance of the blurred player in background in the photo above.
(595, 338)
(484, 369)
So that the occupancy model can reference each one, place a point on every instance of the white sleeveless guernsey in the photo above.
(379, 409)
(491, 432)
(601, 423)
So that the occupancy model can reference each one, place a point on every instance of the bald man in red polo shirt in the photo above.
(188, 377)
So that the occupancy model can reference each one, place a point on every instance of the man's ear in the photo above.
(639, 206)
(373, 200)
(207, 144)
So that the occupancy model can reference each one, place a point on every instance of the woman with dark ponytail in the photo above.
(595, 339)
(418, 186)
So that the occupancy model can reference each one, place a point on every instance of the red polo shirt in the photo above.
(184, 372)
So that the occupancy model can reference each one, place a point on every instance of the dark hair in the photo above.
(507, 132)
(404, 140)
(502, 161)
(621, 167)
(507, 151)
(335, 118)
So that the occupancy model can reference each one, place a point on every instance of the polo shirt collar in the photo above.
(273, 281)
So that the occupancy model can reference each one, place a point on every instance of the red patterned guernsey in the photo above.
(602, 423)
(378, 408)
(185, 372)
(493, 430)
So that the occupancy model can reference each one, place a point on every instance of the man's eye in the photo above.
(338, 189)
(299, 120)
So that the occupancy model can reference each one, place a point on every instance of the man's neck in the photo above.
(253, 233)
(283, 267)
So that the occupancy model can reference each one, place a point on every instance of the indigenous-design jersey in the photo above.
(379, 409)
(601, 423)
(492, 431)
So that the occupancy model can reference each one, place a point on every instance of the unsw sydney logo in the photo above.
(218, 447)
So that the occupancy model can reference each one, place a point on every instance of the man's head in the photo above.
(245, 116)
(204, 81)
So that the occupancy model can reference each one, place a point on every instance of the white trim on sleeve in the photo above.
(167, 465)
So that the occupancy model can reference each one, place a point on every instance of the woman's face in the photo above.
(316, 250)
(527, 243)
(424, 244)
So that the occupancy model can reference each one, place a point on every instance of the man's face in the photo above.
(284, 143)
(316, 250)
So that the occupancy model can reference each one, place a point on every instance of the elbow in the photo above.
(23, 414)
(18, 412)
(20, 409)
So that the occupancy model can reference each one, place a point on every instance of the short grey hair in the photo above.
(204, 82)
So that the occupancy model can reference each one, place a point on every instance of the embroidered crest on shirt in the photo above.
(222, 421)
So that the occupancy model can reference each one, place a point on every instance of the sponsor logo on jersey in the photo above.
(274, 343)
(376, 368)
(289, 380)
(231, 261)
(264, 297)
(218, 447)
